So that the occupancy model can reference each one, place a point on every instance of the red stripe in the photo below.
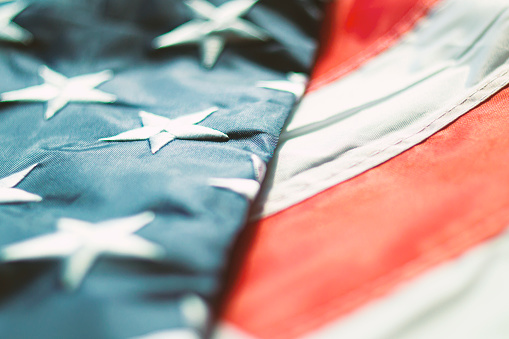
(357, 30)
(325, 257)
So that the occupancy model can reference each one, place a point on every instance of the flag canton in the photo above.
(85, 103)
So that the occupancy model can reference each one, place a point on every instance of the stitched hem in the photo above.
(500, 80)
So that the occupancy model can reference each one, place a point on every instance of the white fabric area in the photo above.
(228, 331)
(453, 60)
(466, 298)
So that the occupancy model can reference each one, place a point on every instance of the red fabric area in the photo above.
(325, 257)
(356, 30)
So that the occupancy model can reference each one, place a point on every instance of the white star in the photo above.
(259, 166)
(246, 187)
(10, 31)
(161, 130)
(58, 90)
(295, 84)
(212, 27)
(9, 194)
(80, 243)
(195, 311)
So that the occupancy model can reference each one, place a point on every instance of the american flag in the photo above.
(137, 134)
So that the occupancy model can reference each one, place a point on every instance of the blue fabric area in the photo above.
(83, 178)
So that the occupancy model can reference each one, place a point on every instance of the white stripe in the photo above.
(467, 298)
(453, 60)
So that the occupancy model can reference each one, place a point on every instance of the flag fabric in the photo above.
(385, 212)
(134, 136)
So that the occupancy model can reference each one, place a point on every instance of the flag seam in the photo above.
(464, 102)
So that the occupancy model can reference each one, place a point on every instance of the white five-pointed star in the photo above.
(246, 187)
(212, 27)
(296, 84)
(9, 31)
(9, 194)
(195, 311)
(58, 90)
(259, 167)
(80, 243)
(161, 130)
